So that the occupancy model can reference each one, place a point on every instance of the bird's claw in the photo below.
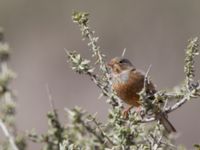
(125, 113)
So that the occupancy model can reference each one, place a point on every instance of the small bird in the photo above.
(127, 82)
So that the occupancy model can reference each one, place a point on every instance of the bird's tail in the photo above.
(166, 123)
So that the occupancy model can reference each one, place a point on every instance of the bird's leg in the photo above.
(126, 111)
(138, 109)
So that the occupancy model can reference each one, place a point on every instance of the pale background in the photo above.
(153, 32)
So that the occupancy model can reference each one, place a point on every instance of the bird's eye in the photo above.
(123, 61)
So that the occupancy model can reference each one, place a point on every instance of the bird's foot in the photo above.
(125, 112)
(140, 111)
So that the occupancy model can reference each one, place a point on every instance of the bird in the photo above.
(127, 82)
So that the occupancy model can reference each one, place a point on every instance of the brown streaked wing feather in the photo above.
(138, 78)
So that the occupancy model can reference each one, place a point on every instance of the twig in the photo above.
(51, 102)
(113, 97)
(168, 144)
(102, 132)
(124, 51)
(177, 105)
(8, 135)
(168, 109)
(146, 79)
(92, 131)
(103, 84)
(87, 33)
(146, 120)
(157, 144)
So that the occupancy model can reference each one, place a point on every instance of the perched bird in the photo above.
(127, 82)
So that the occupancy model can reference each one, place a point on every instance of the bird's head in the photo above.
(119, 65)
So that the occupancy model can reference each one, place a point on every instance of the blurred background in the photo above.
(153, 33)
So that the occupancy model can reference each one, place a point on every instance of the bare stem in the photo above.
(8, 135)
(177, 105)
(102, 132)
